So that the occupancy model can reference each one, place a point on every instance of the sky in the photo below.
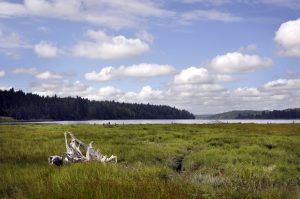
(205, 56)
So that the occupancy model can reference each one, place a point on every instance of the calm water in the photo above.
(196, 121)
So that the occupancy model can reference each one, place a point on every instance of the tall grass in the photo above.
(217, 161)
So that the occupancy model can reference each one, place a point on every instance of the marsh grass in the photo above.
(216, 161)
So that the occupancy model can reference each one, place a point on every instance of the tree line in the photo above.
(275, 114)
(28, 106)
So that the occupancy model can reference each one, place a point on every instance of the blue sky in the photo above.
(206, 56)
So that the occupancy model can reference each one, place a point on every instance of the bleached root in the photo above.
(111, 158)
(73, 153)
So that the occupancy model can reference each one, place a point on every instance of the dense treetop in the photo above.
(26, 106)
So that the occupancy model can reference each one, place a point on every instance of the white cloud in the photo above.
(146, 70)
(48, 75)
(214, 15)
(247, 94)
(8, 9)
(223, 78)
(103, 46)
(287, 36)
(143, 70)
(114, 14)
(238, 62)
(5, 88)
(11, 40)
(196, 89)
(46, 50)
(198, 98)
(61, 88)
(199, 90)
(147, 94)
(247, 91)
(105, 93)
(2, 73)
(283, 84)
(108, 92)
(44, 75)
(193, 75)
(105, 74)
(66, 88)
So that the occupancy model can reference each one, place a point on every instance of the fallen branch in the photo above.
(74, 153)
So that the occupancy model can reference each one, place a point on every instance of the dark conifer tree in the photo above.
(26, 106)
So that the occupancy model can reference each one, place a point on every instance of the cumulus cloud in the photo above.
(202, 91)
(287, 37)
(43, 75)
(62, 88)
(114, 14)
(143, 70)
(46, 50)
(194, 90)
(2, 73)
(195, 87)
(66, 88)
(103, 46)
(213, 98)
(238, 62)
(105, 93)
(146, 70)
(104, 74)
(147, 94)
(193, 75)
(283, 84)
(247, 94)
(198, 98)
(245, 91)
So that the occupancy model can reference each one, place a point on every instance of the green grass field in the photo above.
(218, 161)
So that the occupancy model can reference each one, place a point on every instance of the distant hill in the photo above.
(236, 114)
(27, 106)
(251, 114)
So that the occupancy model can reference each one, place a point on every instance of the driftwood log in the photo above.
(73, 153)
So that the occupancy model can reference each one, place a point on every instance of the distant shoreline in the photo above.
(160, 121)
